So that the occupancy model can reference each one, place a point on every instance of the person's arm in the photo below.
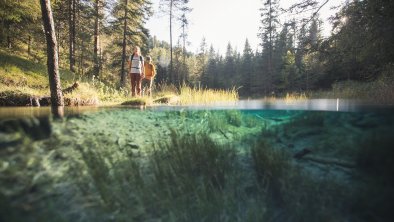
(143, 69)
(153, 71)
(129, 63)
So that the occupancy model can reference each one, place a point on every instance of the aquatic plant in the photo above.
(301, 196)
(373, 199)
(187, 178)
(216, 121)
(234, 117)
(269, 164)
(252, 121)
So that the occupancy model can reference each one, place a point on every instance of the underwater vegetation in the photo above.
(132, 165)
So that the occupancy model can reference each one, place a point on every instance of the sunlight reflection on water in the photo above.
(341, 105)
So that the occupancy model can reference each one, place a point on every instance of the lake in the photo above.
(253, 160)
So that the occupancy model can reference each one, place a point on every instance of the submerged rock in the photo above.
(133, 146)
(35, 128)
(7, 140)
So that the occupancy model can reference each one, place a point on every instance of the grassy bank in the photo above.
(380, 91)
(21, 79)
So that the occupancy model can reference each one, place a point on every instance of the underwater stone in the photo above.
(37, 129)
(302, 153)
(121, 142)
(9, 139)
(133, 145)
(302, 133)
(368, 122)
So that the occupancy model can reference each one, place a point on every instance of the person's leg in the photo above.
(150, 87)
(133, 83)
(138, 81)
(144, 86)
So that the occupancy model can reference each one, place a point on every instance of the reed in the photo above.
(193, 95)
(379, 91)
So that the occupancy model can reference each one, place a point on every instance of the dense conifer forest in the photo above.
(94, 35)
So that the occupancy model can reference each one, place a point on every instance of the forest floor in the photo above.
(142, 165)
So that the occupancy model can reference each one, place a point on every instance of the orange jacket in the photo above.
(150, 70)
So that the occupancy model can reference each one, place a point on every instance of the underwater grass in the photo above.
(187, 178)
(373, 200)
(302, 197)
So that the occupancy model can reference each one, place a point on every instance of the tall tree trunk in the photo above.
(171, 61)
(58, 33)
(122, 74)
(58, 45)
(52, 54)
(96, 69)
(270, 41)
(29, 46)
(71, 25)
(81, 60)
(9, 42)
(184, 54)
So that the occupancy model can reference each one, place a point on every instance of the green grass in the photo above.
(189, 95)
(137, 101)
(17, 73)
(380, 91)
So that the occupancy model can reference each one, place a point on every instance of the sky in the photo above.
(223, 21)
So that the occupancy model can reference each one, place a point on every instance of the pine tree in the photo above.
(52, 55)
(172, 7)
(229, 68)
(268, 35)
(127, 29)
(208, 78)
(98, 4)
(16, 19)
(202, 59)
(71, 32)
(247, 70)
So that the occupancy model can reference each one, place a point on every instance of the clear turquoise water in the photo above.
(251, 161)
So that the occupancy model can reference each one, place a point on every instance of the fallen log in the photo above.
(70, 89)
(18, 98)
(302, 153)
(328, 160)
(46, 100)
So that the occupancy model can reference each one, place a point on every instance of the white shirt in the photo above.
(136, 64)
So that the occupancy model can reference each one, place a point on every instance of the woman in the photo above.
(150, 73)
(137, 70)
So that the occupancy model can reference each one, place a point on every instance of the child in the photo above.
(150, 73)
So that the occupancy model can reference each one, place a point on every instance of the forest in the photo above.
(298, 129)
(94, 35)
